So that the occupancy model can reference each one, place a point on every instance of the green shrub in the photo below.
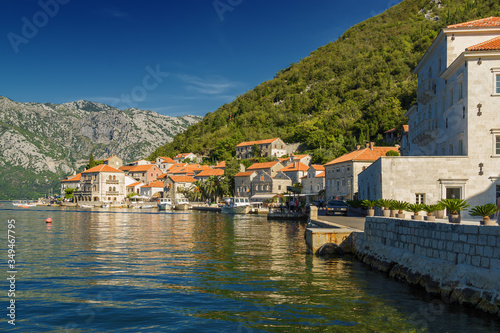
(484, 211)
(454, 205)
(392, 153)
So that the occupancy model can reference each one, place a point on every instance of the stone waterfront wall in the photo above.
(459, 262)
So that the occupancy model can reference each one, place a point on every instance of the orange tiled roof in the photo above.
(299, 156)
(167, 160)
(134, 184)
(183, 179)
(157, 183)
(489, 45)
(102, 168)
(318, 167)
(265, 165)
(295, 166)
(163, 175)
(282, 159)
(321, 175)
(482, 23)
(142, 168)
(221, 165)
(182, 155)
(126, 168)
(211, 172)
(391, 130)
(244, 174)
(259, 142)
(74, 178)
(365, 154)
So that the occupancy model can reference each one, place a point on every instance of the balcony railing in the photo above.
(426, 90)
(112, 193)
(112, 181)
(424, 132)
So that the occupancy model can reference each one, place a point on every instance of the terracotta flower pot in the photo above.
(370, 212)
(401, 216)
(430, 218)
(439, 214)
(386, 213)
(416, 217)
(487, 221)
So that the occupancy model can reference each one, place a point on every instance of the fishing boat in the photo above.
(147, 206)
(236, 205)
(182, 204)
(86, 206)
(165, 204)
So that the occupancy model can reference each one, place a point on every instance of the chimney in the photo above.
(372, 144)
(367, 145)
(358, 147)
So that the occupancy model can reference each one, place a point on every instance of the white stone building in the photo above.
(314, 181)
(102, 184)
(454, 130)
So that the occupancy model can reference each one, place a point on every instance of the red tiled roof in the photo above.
(260, 142)
(142, 168)
(295, 166)
(365, 154)
(183, 179)
(299, 156)
(318, 167)
(102, 168)
(74, 178)
(182, 155)
(210, 172)
(134, 184)
(482, 23)
(265, 165)
(489, 45)
(321, 175)
(157, 183)
(244, 174)
(282, 159)
(163, 175)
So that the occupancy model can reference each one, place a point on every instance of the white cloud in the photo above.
(211, 86)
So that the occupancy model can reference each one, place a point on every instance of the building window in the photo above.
(497, 145)
(460, 91)
(497, 84)
(451, 98)
(419, 198)
(460, 147)
(451, 149)
(446, 122)
(279, 187)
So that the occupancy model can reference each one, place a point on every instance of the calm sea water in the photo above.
(131, 271)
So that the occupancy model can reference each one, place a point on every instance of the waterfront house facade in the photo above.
(341, 174)
(172, 185)
(265, 187)
(314, 181)
(205, 174)
(70, 182)
(295, 171)
(153, 189)
(134, 188)
(270, 147)
(101, 184)
(144, 173)
(243, 183)
(453, 148)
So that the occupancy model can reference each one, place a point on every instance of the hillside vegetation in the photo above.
(346, 92)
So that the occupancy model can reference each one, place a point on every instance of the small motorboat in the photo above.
(182, 204)
(236, 205)
(165, 204)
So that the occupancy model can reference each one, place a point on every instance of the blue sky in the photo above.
(173, 57)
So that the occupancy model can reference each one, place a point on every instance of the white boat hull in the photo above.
(236, 210)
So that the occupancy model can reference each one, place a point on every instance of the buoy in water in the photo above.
(48, 220)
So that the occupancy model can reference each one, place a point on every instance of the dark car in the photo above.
(336, 206)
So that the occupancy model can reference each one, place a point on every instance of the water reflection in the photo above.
(129, 271)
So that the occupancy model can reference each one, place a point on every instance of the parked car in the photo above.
(336, 206)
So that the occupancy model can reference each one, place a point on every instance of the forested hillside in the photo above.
(348, 91)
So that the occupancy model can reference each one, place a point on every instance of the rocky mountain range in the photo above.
(42, 142)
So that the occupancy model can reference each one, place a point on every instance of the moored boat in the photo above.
(165, 204)
(236, 205)
(182, 204)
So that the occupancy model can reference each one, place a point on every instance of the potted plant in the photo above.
(484, 211)
(369, 204)
(454, 206)
(430, 209)
(400, 206)
(415, 209)
(393, 210)
(385, 204)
